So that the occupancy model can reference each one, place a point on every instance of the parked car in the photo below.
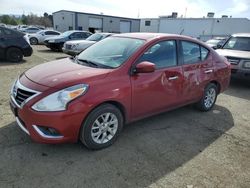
(118, 80)
(13, 45)
(31, 30)
(237, 52)
(217, 42)
(77, 46)
(39, 37)
(22, 27)
(56, 43)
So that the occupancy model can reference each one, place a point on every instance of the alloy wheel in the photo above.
(104, 128)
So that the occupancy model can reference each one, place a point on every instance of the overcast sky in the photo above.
(131, 8)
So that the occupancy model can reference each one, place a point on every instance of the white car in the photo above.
(39, 37)
(77, 46)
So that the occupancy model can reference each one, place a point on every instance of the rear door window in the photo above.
(51, 33)
(191, 52)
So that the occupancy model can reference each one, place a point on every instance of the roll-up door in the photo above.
(125, 26)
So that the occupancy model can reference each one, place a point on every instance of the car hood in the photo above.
(234, 53)
(75, 41)
(64, 73)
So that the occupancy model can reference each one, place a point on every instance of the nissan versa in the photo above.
(118, 80)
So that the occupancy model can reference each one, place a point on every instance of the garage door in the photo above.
(95, 23)
(125, 26)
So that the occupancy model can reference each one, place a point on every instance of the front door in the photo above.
(160, 90)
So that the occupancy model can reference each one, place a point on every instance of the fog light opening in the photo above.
(47, 132)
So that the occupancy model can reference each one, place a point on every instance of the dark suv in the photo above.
(56, 43)
(13, 45)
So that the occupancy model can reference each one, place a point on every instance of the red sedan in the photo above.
(118, 80)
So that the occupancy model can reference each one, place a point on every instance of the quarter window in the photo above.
(191, 52)
(204, 53)
(162, 54)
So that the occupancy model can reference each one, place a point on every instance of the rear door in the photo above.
(159, 90)
(197, 69)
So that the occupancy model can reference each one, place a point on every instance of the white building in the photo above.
(203, 28)
(64, 20)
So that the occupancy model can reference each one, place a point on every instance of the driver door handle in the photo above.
(209, 71)
(173, 78)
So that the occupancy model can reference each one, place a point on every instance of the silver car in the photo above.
(77, 46)
(237, 51)
(39, 37)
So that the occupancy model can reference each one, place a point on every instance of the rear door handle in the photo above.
(208, 71)
(173, 78)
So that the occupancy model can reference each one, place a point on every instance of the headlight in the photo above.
(58, 101)
(75, 46)
(246, 64)
(51, 40)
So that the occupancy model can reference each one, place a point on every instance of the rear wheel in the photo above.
(33, 41)
(14, 55)
(101, 127)
(209, 98)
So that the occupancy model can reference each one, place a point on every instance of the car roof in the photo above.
(241, 35)
(150, 36)
(12, 30)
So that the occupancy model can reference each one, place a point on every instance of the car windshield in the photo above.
(95, 37)
(238, 43)
(66, 34)
(111, 52)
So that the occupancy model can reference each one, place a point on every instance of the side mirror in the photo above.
(145, 67)
(218, 46)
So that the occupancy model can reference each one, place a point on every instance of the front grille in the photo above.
(22, 95)
(68, 46)
(233, 60)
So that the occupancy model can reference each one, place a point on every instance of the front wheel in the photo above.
(209, 98)
(101, 127)
(14, 54)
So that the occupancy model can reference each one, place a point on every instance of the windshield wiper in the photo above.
(87, 62)
(92, 63)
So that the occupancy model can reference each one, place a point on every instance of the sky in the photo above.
(131, 8)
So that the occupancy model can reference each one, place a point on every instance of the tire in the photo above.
(98, 135)
(208, 99)
(14, 55)
(33, 41)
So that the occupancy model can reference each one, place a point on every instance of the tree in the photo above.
(24, 19)
(45, 15)
(13, 21)
(5, 19)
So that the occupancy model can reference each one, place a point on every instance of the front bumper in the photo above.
(54, 45)
(27, 51)
(237, 71)
(66, 123)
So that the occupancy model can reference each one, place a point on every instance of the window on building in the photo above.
(79, 27)
(70, 28)
(147, 23)
(162, 54)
